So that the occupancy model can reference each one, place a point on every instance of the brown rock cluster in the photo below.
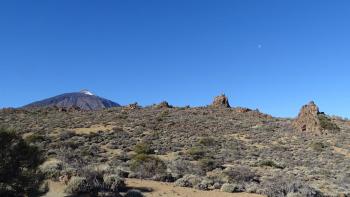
(242, 110)
(311, 120)
(307, 119)
(133, 106)
(163, 105)
(221, 102)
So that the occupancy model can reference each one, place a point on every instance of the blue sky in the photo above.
(270, 55)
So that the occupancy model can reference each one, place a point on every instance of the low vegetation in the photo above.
(205, 148)
(327, 124)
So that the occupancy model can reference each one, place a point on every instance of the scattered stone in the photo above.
(221, 101)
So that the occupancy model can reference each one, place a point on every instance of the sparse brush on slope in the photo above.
(203, 141)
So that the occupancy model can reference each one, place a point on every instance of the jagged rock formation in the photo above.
(307, 119)
(221, 101)
(133, 106)
(311, 120)
(162, 105)
(83, 100)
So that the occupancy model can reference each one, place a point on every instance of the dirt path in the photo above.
(56, 189)
(155, 189)
(161, 189)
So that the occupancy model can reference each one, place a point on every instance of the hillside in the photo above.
(202, 147)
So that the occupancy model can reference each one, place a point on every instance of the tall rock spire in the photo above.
(221, 101)
(311, 120)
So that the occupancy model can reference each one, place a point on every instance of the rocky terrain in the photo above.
(218, 147)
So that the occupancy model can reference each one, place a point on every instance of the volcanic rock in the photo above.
(311, 120)
(162, 105)
(133, 106)
(221, 102)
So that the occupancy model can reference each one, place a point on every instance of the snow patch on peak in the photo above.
(87, 92)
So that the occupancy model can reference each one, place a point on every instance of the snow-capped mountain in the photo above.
(83, 99)
(85, 91)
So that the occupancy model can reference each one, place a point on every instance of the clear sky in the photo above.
(271, 55)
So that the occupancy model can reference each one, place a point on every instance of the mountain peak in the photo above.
(87, 92)
(84, 100)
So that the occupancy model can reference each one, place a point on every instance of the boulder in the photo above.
(221, 102)
(133, 106)
(162, 105)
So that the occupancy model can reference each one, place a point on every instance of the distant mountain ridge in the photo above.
(84, 100)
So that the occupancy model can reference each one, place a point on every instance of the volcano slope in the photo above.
(235, 149)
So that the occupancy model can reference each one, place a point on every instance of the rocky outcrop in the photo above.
(221, 102)
(311, 120)
(307, 119)
(162, 105)
(133, 106)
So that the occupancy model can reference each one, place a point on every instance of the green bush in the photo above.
(19, 162)
(95, 179)
(77, 185)
(230, 188)
(180, 167)
(147, 166)
(317, 146)
(196, 152)
(207, 141)
(113, 182)
(207, 164)
(279, 186)
(205, 184)
(327, 123)
(143, 148)
(240, 175)
(270, 163)
(188, 180)
(34, 138)
(52, 169)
